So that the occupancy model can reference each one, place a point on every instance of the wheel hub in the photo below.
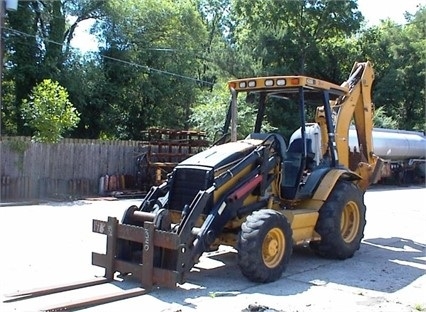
(349, 223)
(273, 247)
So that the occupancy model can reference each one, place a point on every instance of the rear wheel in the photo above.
(341, 222)
(264, 246)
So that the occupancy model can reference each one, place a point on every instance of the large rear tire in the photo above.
(341, 222)
(265, 246)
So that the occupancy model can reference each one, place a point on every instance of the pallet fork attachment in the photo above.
(145, 273)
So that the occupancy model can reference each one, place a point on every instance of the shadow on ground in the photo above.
(382, 264)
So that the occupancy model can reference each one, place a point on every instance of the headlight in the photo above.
(269, 83)
(280, 82)
(311, 81)
(252, 83)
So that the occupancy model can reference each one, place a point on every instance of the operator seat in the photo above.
(295, 165)
(296, 146)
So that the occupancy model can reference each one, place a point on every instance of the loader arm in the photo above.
(232, 203)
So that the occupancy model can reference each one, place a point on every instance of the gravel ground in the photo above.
(51, 243)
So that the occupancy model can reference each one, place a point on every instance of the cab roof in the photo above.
(279, 85)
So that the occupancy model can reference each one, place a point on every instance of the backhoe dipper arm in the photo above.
(357, 106)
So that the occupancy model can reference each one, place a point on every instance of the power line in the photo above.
(150, 69)
(29, 35)
(147, 68)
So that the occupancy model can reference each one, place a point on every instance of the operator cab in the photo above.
(305, 152)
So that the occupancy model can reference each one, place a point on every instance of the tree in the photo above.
(209, 114)
(381, 120)
(49, 112)
(287, 36)
(150, 63)
(160, 60)
(294, 37)
(37, 45)
(217, 54)
(399, 58)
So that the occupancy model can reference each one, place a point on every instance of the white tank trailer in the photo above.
(404, 153)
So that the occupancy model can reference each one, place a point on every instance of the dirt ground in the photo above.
(51, 243)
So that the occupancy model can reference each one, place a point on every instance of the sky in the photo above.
(373, 10)
(82, 39)
(376, 10)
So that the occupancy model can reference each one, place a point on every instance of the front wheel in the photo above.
(341, 222)
(265, 246)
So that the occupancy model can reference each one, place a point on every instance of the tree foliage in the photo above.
(37, 45)
(210, 113)
(398, 54)
(150, 62)
(381, 120)
(49, 112)
(287, 36)
(294, 37)
(163, 63)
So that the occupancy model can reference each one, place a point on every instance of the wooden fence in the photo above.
(70, 168)
(79, 167)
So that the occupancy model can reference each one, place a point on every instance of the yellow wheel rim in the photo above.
(349, 224)
(273, 247)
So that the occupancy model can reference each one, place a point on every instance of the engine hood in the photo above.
(221, 155)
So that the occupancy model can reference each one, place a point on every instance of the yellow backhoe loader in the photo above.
(262, 194)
